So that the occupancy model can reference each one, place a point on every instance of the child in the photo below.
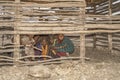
(63, 46)
(37, 45)
(44, 48)
(52, 42)
(28, 41)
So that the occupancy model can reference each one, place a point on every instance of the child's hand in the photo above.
(28, 45)
(56, 48)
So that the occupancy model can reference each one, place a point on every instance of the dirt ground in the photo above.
(101, 66)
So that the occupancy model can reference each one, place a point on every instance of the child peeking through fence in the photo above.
(28, 41)
(45, 48)
(52, 41)
(63, 46)
(37, 45)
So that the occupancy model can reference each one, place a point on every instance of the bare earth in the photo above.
(102, 66)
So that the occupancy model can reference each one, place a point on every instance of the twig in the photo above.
(6, 57)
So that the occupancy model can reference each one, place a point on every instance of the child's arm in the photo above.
(37, 48)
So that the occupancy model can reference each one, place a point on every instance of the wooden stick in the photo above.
(48, 63)
(16, 36)
(6, 60)
(58, 32)
(6, 63)
(110, 46)
(82, 47)
(34, 56)
(50, 60)
(6, 57)
(56, 4)
(37, 48)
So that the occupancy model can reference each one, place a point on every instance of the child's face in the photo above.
(51, 41)
(30, 36)
(61, 37)
(44, 42)
(36, 38)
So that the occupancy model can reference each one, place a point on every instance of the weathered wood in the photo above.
(116, 8)
(58, 32)
(106, 17)
(16, 48)
(110, 42)
(103, 22)
(6, 60)
(16, 36)
(1, 1)
(82, 47)
(48, 28)
(110, 46)
(55, 32)
(39, 25)
(17, 1)
(41, 56)
(48, 14)
(57, 0)
(63, 24)
(110, 7)
(6, 57)
(104, 26)
(59, 4)
(6, 63)
(53, 60)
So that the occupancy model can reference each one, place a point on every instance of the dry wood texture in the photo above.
(45, 17)
(61, 16)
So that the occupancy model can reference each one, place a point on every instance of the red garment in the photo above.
(61, 54)
(59, 41)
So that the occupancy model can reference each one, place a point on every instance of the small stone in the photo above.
(40, 72)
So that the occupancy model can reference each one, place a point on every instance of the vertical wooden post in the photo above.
(110, 42)
(17, 1)
(110, 35)
(17, 43)
(16, 36)
(82, 47)
(94, 36)
(110, 8)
